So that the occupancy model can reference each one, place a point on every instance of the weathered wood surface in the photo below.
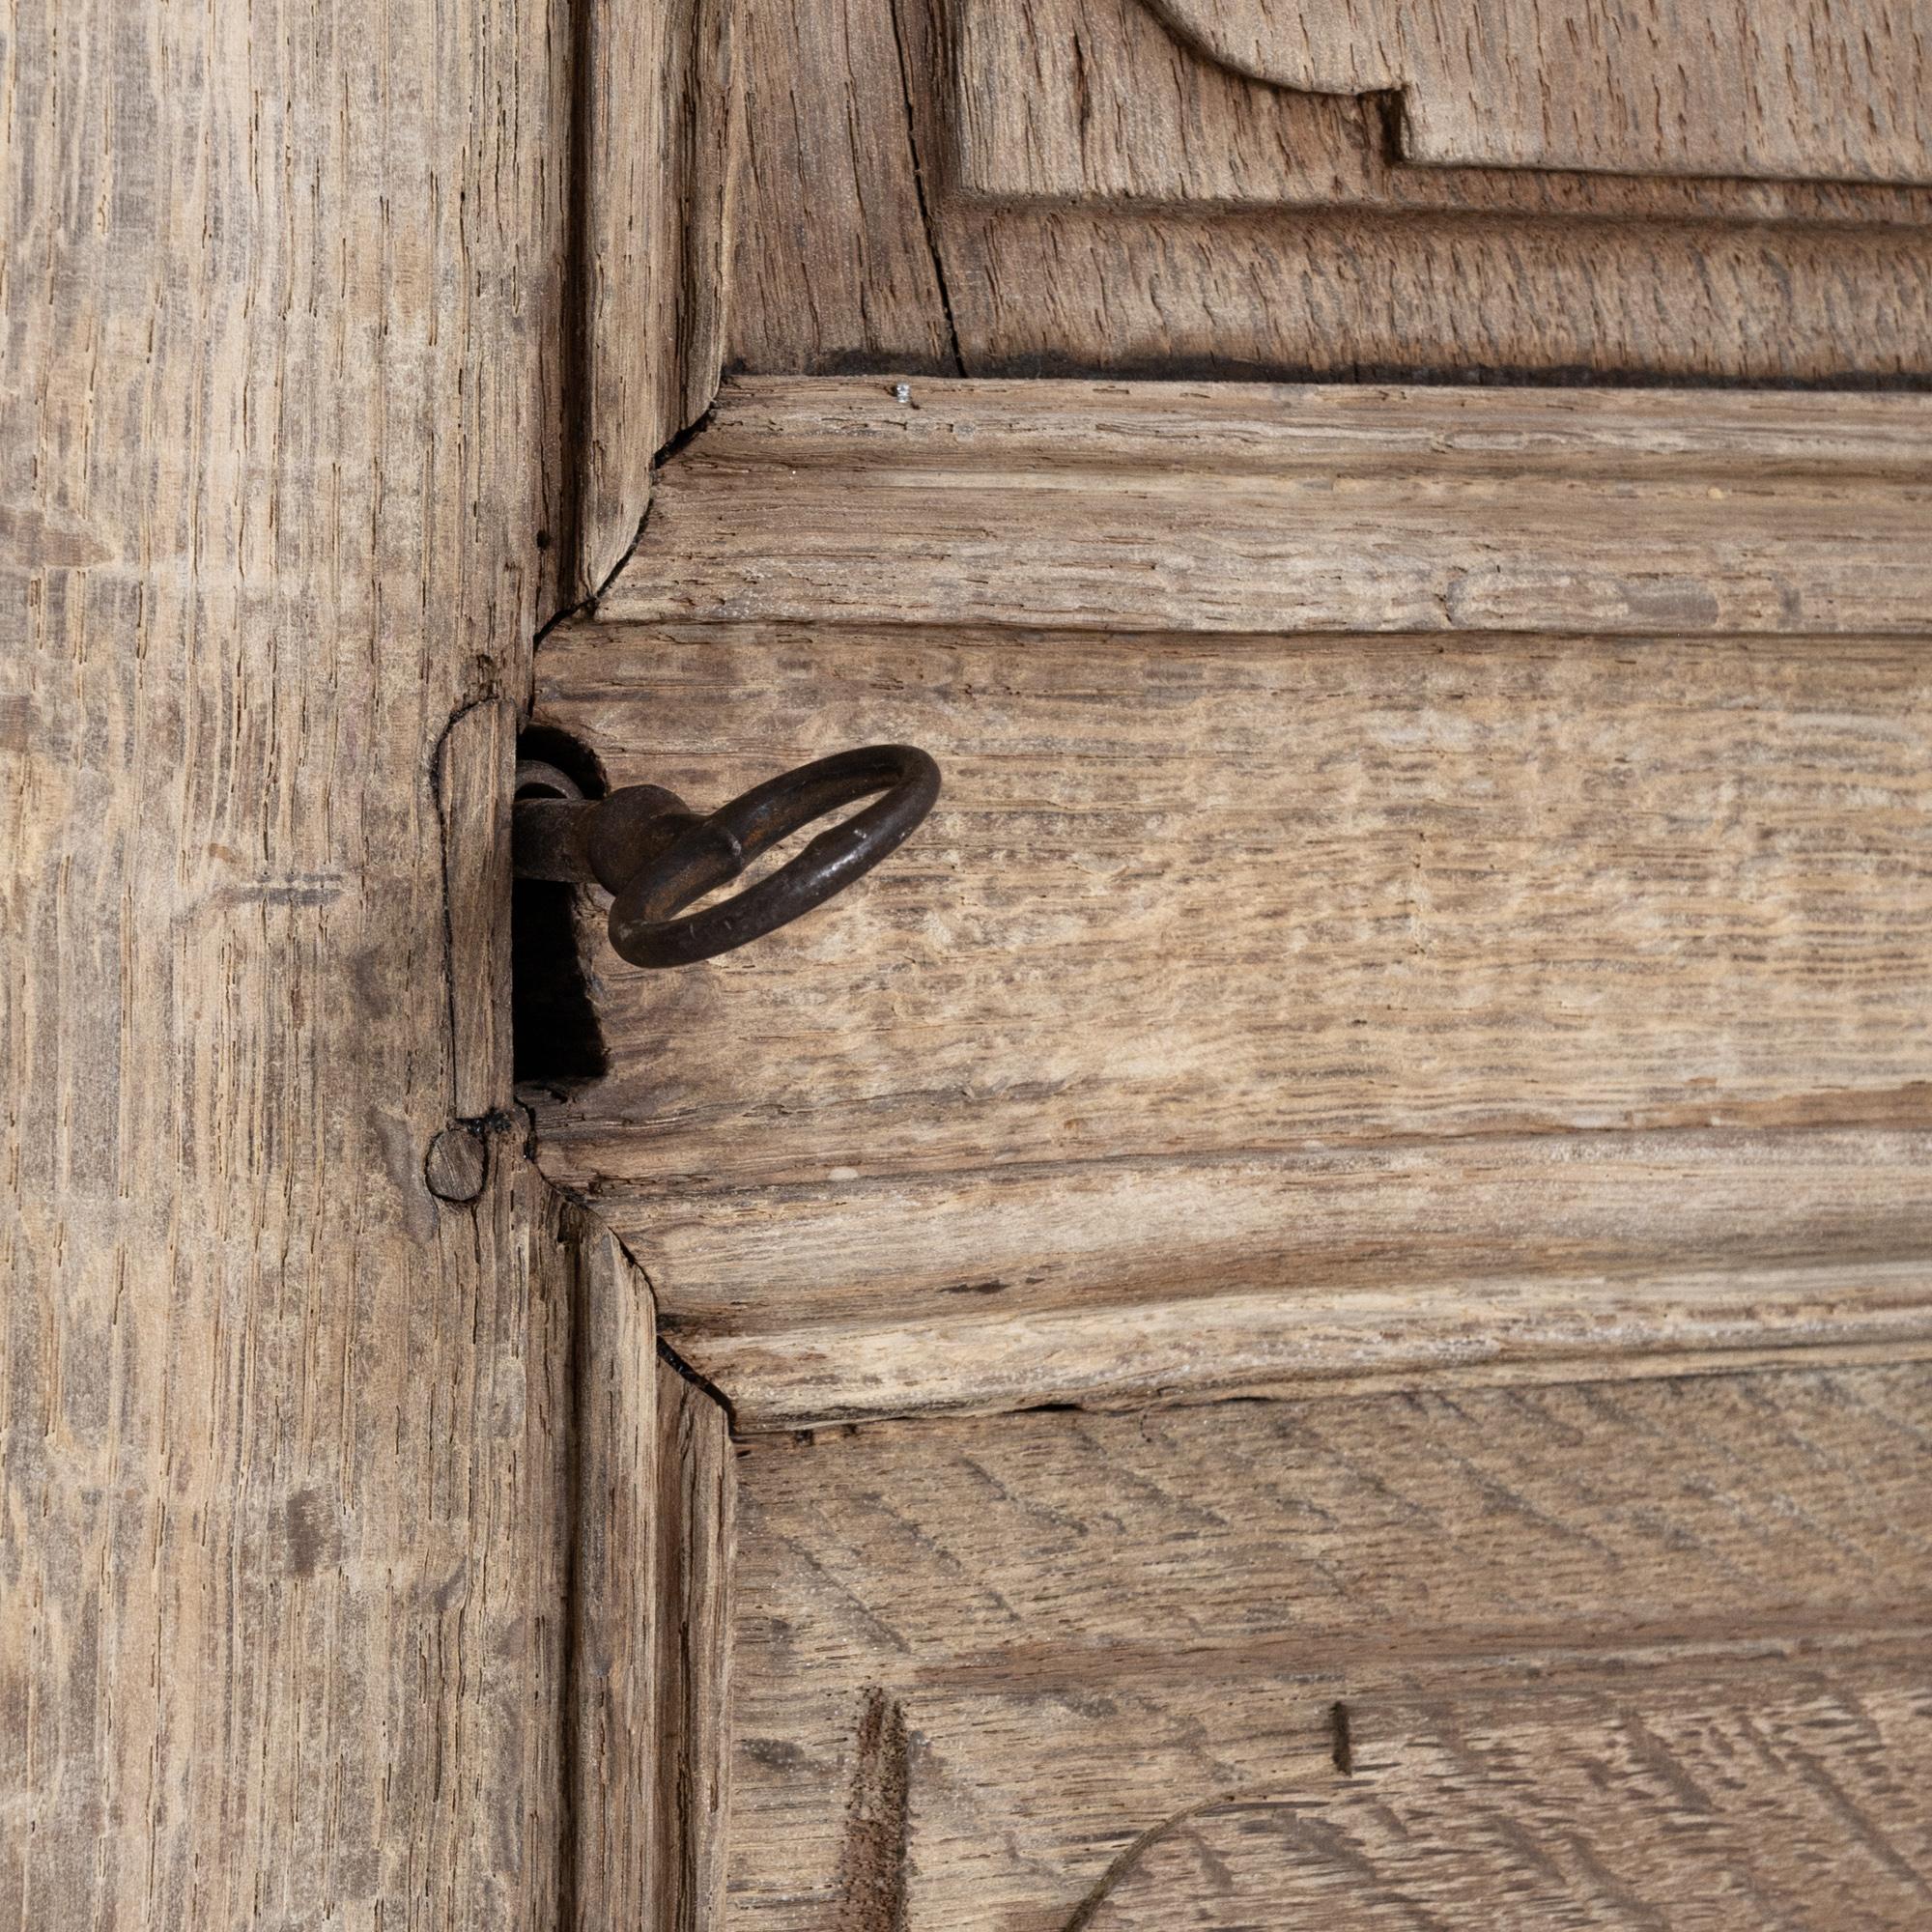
(1245, 508)
(658, 106)
(475, 774)
(1329, 252)
(1260, 1006)
(617, 1590)
(1092, 100)
(690, 1656)
(646, 1525)
(1646, 1653)
(1786, 1800)
(1788, 89)
(285, 1628)
(832, 253)
(281, 1634)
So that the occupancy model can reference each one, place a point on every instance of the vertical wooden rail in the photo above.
(658, 105)
(282, 1590)
(697, 1523)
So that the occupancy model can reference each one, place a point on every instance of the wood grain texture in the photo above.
(1097, 101)
(1790, 89)
(1264, 1005)
(659, 100)
(614, 1712)
(1776, 1805)
(1633, 1655)
(1238, 508)
(832, 256)
(695, 1529)
(898, 262)
(651, 1551)
(475, 776)
(1097, 98)
(1051, 291)
(284, 1373)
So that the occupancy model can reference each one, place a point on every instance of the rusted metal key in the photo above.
(657, 856)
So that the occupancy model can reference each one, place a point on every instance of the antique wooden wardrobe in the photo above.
(1313, 1308)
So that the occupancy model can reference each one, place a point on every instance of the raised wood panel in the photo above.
(1099, 101)
(1635, 1655)
(1775, 1806)
(1793, 89)
(1265, 1003)
(1061, 186)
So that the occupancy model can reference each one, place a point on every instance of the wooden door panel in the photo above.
(1790, 89)
(1545, 976)
(1617, 1655)
(1199, 102)
(1712, 1810)
(995, 187)
(372, 1551)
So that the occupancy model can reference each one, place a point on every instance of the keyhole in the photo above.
(556, 1044)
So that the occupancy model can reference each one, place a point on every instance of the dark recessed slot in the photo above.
(546, 745)
(557, 1042)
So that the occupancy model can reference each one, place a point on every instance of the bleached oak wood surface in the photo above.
(1035, 187)
(646, 1526)
(658, 103)
(1247, 508)
(1788, 1802)
(1788, 89)
(364, 1564)
(288, 1632)
(617, 1593)
(1646, 1653)
(1543, 978)
(691, 1658)
(1101, 100)
(281, 1637)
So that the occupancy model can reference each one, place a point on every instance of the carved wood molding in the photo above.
(1587, 1656)
(1094, 101)
(994, 187)
(1780, 89)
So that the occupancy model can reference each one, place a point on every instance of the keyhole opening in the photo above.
(556, 1044)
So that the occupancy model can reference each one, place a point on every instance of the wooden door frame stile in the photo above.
(364, 1560)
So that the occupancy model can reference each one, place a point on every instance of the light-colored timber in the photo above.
(1104, 101)
(658, 108)
(1050, 188)
(1429, 917)
(291, 1465)
(1635, 1655)
(1791, 90)
(1462, 899)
